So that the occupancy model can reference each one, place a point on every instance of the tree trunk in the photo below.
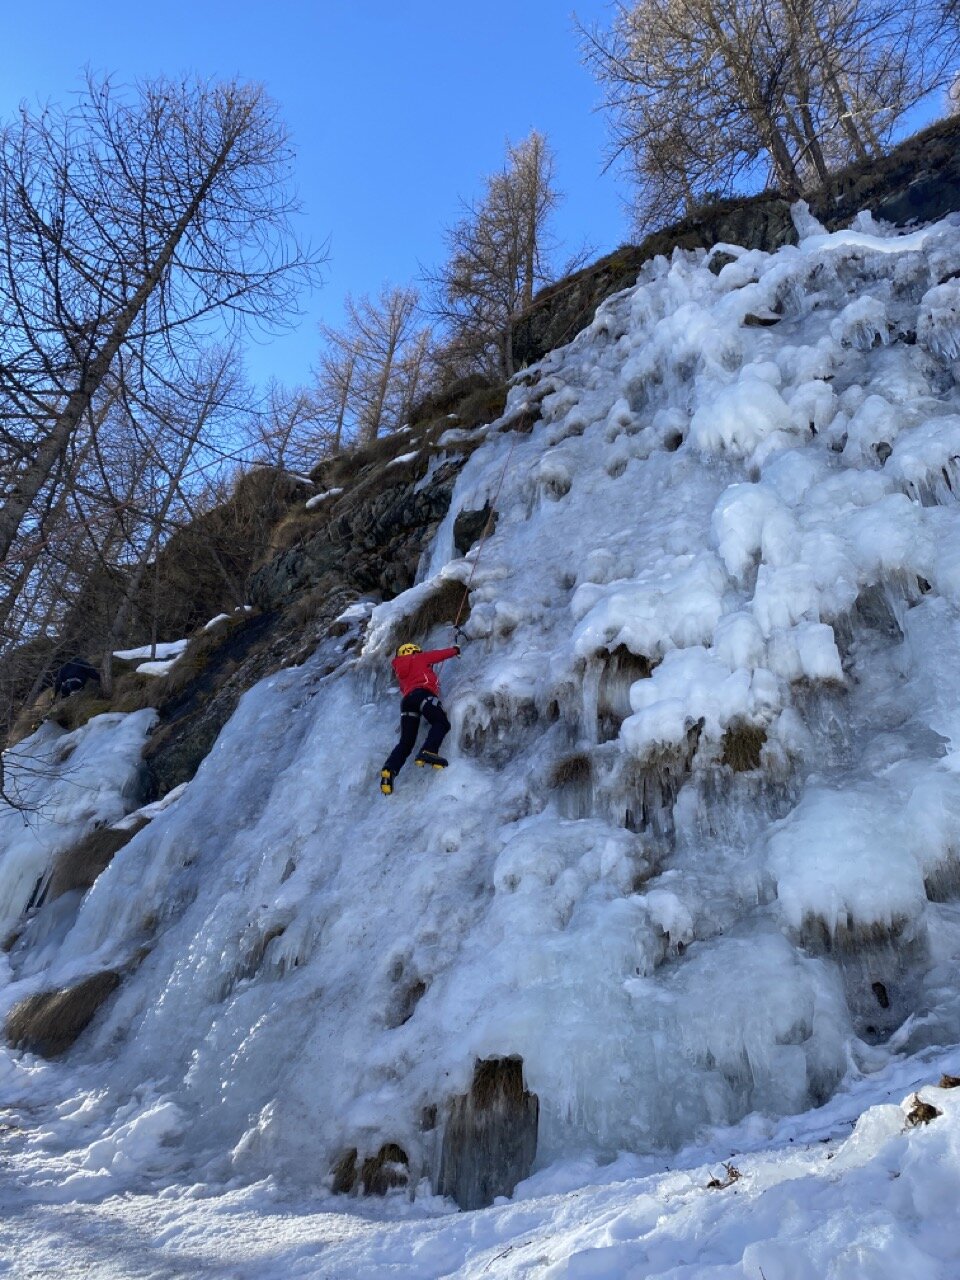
(344, 401)
(30, 483)
(372, 428)
(152, 548)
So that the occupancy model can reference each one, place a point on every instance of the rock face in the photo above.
(374, 1176)
(490, 1138)
(191, 720)
(50, 1022)
(79, 866)
(470, 526)
(371, 537)
(918, 181)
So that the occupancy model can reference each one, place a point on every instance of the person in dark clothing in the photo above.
(73, 675)
(419, 696)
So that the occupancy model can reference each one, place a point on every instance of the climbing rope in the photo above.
(485, 534)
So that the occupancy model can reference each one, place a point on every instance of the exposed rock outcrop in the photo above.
(50, 1022)
(79, 866)
(490, 1138)
(374, 1176)
(370, 538)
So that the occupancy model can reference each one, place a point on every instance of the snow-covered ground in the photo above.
(696, 858)
(851, 1192)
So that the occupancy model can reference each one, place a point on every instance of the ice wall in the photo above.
(696, 854)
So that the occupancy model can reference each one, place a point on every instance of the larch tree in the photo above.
(379, 329)
(500, 252)
(334, 383)
(170, 436)
(371, 366)
(290, 432)
(712, 97)
(137, 223)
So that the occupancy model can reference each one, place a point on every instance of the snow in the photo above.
(149, 811)
(157, 668)
(858, 1191)
(402, 458)
(168, 649)
(692, 683)
(67, 784)
(713, 527)
(166, 654)
(742, 417)
(870, 885)
(317, 498)
(650, 614)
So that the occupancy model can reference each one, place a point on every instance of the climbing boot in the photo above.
(386, 781)
(430, 758)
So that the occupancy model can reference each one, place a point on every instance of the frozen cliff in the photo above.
(694, 871)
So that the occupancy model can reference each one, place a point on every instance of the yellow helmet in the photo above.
(406, 649)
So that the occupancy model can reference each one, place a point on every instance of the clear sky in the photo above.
(396, 111)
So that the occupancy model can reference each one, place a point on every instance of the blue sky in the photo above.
(396, 111)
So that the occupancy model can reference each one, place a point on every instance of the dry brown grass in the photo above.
(484, 405)
(742, 745)
(387, 1169)
(30, 718)
(49, 1023)
(733, 1175)
(569, 771)
(305, 606)
(846, 936)
(74, 712)
(197, 656)
(439, 608)
(80, 865)
(341, 470)
(921, 1112)
(345, 1172)
(495, 1079)
(523, 421)
(630, 666)
(294, 527)
(133, 692)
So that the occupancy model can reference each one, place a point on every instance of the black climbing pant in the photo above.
(421, 702)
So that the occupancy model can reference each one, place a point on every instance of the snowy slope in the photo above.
(734, 523)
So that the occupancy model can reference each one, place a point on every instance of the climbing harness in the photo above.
(484, 535)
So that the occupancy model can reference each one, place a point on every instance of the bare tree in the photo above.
(334, 385)
(368, 366)
(499, 253)
(414, 373)
(291, 432)
(712, 97)
(379, 329)
(183, 421)
(133, 222)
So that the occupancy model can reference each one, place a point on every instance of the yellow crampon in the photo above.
(428, 758)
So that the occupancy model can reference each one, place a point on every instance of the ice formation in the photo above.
(697, 857)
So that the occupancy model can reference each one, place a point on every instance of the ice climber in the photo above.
(419, 696)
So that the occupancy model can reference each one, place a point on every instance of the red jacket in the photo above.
(415, 670)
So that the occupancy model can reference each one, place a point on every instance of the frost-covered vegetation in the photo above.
(696, 859)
